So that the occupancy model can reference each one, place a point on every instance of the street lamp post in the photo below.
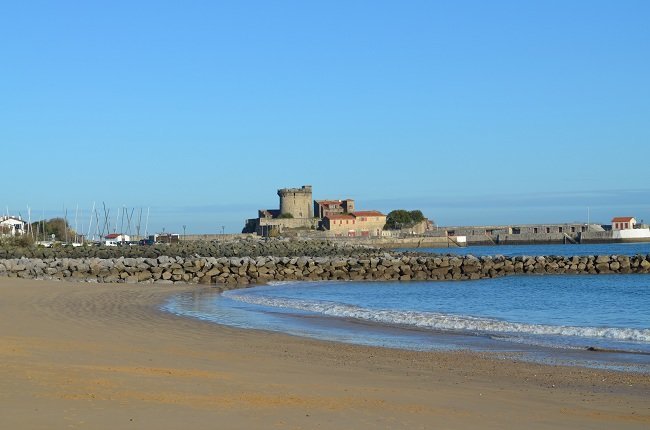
(184, 238)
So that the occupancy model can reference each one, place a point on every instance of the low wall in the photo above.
(639, 234)
(389, 242)
(596, 236)
(616, 236)
(530, 238)
(246, 270)
(217, 236)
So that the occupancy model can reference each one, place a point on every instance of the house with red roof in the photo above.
(114, 239)
(623, 223)
(359, 223)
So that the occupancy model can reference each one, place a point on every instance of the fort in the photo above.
(325, 218)
(299, 215)
(296, 202)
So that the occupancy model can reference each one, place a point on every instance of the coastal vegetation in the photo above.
(58, 227)
(21, 241)
(401, 218)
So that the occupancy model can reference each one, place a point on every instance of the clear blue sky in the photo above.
(474, 111)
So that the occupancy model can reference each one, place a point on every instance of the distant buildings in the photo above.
(623, 223)
(323, 208)
(298, 211)
(362, 223)
(164, 238)
(114, 239)
(12, 226)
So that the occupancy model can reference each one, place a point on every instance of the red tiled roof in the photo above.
(113, 235)
(339, 216)
(368, 213)
(622, 219)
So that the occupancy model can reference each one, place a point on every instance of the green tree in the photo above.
(55, 226)
(401, 218)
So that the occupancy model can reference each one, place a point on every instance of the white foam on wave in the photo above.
(439, 321)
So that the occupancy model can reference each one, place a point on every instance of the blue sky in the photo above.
(474, 111)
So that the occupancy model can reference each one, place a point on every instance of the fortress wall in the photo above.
(290, 222)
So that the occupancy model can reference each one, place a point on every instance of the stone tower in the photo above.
(297, 202)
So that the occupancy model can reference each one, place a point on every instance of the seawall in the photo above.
(405, 242)
(235, 271)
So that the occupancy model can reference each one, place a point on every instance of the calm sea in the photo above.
(588, 320)
(570, 250)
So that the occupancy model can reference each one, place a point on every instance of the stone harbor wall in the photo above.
(233, 271)
(251, 247)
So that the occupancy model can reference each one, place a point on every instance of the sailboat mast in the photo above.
(146, 226)
(90, 221)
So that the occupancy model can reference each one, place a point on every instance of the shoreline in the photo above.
(370, 332)
(105, 356)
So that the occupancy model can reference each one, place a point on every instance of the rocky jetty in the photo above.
(249, 247)
(234, 271)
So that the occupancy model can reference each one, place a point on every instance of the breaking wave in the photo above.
(439, 321)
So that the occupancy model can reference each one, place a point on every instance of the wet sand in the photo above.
(102, 356)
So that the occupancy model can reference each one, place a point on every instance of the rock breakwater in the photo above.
(249, 247)
(233, 271)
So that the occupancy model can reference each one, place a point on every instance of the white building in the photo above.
(114, 239)
(12, 226)
(624, 228)
(623, 223)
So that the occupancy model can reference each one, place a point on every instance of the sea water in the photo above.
(558, 249)
(590, 320)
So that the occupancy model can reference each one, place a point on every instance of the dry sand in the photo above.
(101, 356)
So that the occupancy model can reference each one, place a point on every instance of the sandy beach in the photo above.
(101, 356)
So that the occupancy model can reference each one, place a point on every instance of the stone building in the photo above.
(296, 202)
(568, 228)
(361, 223)
(299, 212)
(296, 212)
(323, 208)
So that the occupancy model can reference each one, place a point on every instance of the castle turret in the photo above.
(297, 202)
